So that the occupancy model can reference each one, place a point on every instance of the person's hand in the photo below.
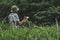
(26, 17)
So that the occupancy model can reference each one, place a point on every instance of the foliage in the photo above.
(40, 10)
(33, 33)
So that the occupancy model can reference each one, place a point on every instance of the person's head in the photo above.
(14, 8)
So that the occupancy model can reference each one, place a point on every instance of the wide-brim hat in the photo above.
(14, 8)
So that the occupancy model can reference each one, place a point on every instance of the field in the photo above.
(26, 33)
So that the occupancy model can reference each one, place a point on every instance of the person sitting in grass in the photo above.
(14, 19)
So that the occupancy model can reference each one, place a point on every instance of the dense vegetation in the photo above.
(44, 11)
(29, 33)
(44, 14)
(32, 33)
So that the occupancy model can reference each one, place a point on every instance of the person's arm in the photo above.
(19, 22)
(24, 20)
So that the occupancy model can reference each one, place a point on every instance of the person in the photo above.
(13, 16)
(14, 19)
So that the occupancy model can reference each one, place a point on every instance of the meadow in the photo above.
(28, 33)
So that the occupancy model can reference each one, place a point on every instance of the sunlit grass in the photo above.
(28, 33)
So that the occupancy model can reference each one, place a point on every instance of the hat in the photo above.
(14, 8)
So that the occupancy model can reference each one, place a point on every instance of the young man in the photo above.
(13, 16)
(14, 19)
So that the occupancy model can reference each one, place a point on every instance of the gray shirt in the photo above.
(13, 17)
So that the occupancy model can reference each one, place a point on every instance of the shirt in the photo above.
(13, 17)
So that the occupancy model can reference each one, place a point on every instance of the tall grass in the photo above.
(26, 33)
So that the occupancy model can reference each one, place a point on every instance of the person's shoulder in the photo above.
(11, 14)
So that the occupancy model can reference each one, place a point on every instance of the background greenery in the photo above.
(39, 11)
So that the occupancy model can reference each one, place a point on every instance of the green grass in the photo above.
(29, 33)
(26, 33)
